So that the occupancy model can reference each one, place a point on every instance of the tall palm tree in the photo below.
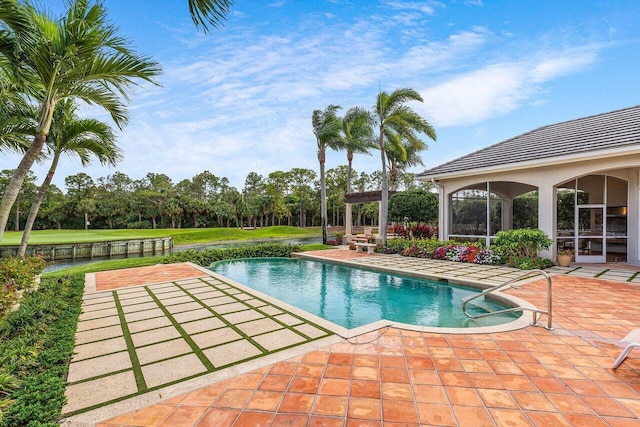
(205, 12)
(396, 122)
(79, 57)
(326, 127)
(358, 138)
(69, 135)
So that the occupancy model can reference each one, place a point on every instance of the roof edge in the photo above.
(551, 161)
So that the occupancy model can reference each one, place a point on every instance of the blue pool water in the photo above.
(352, 297)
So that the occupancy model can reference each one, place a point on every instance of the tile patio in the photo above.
(387, 377)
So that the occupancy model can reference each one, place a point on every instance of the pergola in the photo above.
(363, 197)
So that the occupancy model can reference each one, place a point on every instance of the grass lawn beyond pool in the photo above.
(181, 236)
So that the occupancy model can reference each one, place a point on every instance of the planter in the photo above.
(564, 260)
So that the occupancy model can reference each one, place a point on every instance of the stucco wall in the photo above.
(546, 178)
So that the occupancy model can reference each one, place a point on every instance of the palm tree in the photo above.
(204, 12)
(16, 116)
(79, 57)
(403, 154)
(326, 128)
(358, 138)
(357, 135)
(82, 137)
(396, 122)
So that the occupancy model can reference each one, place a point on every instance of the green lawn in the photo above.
(181, 236)
(116, 264)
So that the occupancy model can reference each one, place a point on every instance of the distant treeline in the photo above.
(155, 201)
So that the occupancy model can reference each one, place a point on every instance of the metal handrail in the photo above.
(535, 311)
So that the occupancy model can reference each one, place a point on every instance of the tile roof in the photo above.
(612, 130)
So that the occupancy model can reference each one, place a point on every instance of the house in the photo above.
(582, 175)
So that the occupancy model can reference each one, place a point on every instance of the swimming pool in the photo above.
(352, 297)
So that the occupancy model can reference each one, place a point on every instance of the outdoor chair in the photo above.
(630, 341)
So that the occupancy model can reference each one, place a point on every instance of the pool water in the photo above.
(352, 297)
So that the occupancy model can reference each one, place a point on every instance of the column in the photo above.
(348, 221)
(547, 215)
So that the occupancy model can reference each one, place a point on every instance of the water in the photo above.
(352, 297)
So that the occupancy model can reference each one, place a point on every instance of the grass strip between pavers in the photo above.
(131, 348)
(225, 321)
(137, 367)
(185, 336)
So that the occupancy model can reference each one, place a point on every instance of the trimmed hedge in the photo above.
(207, 257)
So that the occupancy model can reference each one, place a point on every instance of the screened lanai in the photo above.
(578, 181)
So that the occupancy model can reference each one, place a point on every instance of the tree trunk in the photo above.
(382, 226)
(16, 226)
(153, 221)
(13, 188)
(86, 220)
(33, 211)
(394, 176)
(323, 196)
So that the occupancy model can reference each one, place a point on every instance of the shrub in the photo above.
(528, 263)
(8, 297)
(400, 231)
(332, 242)
(208, 256)
(35, 353)
(423, 231)
(20, 272)
(524, 242)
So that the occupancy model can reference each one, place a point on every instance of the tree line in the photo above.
(205, 200)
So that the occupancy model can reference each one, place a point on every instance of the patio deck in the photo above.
(396, 377)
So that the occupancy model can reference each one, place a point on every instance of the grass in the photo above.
(112, 264)
(116, 264)
(181, 236)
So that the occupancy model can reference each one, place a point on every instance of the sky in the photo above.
(240, 98)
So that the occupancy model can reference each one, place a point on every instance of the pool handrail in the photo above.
(500, 286)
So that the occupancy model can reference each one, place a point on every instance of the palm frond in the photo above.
(209, 12)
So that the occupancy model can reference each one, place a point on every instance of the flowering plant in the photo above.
(566, 252)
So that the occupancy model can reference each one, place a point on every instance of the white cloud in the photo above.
(500, 88)
(427, 7)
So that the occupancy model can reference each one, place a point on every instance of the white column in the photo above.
(443, 213)
(547, 215)
(348, 221)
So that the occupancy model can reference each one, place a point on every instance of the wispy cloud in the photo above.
(497, 89)
(241, 101)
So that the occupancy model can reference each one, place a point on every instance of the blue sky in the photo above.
(240, 99)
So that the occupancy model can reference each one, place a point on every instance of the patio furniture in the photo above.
(630, 341)
(361, 245)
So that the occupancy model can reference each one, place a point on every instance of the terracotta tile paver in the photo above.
(107, 280)
(525, 377)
